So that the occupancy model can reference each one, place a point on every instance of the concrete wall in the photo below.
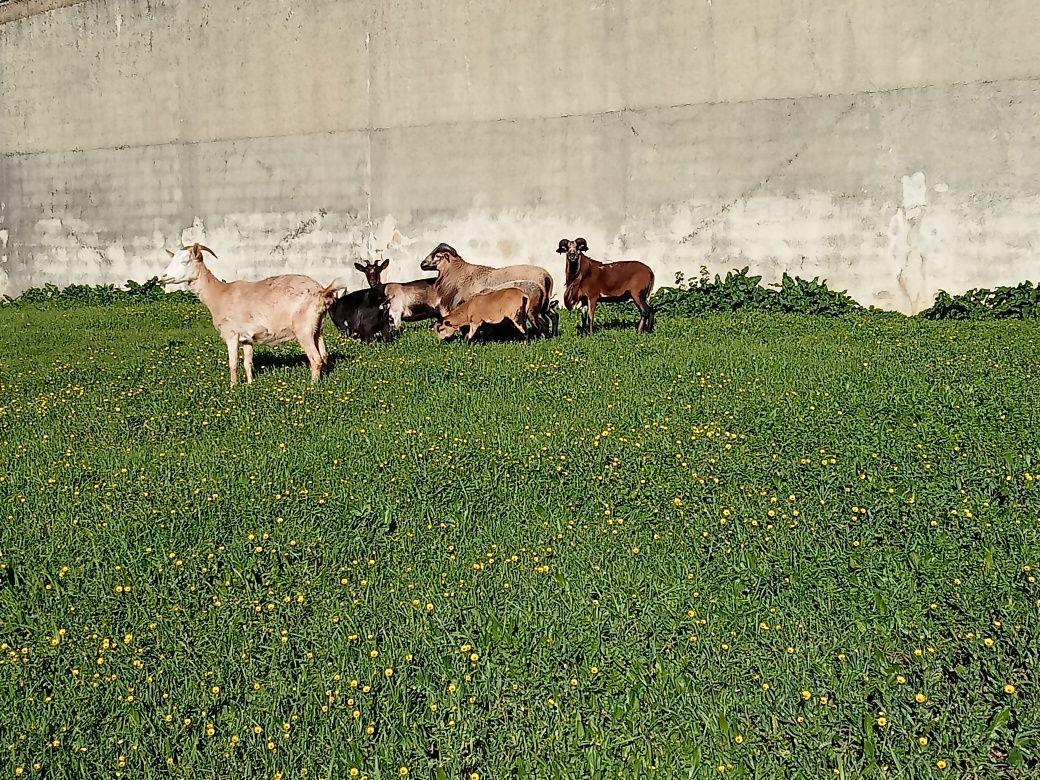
(890, 147)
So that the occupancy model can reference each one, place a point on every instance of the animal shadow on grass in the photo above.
(265, 362)
(613, 317)
(502, 332)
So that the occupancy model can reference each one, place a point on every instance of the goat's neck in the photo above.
(581, 269)
(587, 263)
(208, 287)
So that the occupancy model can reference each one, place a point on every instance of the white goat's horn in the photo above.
(169, 252)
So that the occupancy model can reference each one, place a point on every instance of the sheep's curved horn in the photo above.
(583, 245)
(562, 246)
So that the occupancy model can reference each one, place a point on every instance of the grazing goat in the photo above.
(589, 281)
(409, 301)
(458, 281)
(489, 308)
(268, 311)
(362, 314)
(542, 314)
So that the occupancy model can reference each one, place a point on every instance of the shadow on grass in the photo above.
(265, 362)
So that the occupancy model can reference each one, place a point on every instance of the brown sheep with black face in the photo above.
(458, 281)
(590, 281)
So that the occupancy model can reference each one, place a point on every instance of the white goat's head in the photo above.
(184, 264)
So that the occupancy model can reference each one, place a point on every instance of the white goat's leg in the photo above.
(321, 349)
(309, 342)
(232, 359)
(247, 359)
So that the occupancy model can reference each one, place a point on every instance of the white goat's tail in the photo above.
(327, 295)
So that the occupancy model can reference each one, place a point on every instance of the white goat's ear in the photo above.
(169, 252)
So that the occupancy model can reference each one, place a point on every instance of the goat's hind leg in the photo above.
(232, 359)
(321, 349)
(247, 360)
(646, 313)
(309, 342)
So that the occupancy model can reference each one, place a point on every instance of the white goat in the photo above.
(268, 311)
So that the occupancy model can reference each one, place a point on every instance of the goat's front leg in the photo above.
(232, 359)
(247, 359)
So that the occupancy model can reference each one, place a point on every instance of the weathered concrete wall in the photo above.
(890, 147)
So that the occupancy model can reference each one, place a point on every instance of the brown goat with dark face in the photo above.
(590, 281)
(409, 301)
(373, 271)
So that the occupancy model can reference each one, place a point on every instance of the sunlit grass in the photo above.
(762, 546)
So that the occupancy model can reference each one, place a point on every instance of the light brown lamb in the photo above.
(489, 308)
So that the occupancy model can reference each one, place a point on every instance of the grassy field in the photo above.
(762, 546)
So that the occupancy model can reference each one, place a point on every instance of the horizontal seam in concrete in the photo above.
(479, 122)
(13, 10)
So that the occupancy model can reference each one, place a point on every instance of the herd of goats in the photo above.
(463, 298)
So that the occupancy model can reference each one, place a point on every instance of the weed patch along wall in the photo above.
(738, 290)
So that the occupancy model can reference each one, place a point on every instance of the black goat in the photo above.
(363, 314)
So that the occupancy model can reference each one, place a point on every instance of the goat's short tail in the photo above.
(328, 294)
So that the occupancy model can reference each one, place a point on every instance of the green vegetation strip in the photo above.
(761, 545)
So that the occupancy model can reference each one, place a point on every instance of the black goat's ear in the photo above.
(360, 267)
(382, 266)
(582, 244)
(562, 246)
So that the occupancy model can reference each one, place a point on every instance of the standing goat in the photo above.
(268, 311)
(589, 281)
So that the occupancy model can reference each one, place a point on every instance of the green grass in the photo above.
(742, 544)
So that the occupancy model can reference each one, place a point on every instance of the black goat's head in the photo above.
(373, 271)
